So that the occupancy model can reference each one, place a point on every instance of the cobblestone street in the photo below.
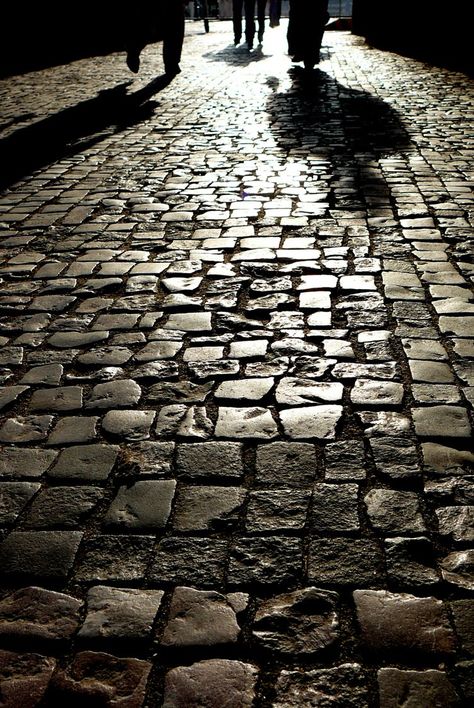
(236, 381)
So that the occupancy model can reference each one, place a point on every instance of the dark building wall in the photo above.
(428, 29)
(47, 33)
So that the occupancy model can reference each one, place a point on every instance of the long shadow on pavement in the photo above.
(75, 129)
(323, 117)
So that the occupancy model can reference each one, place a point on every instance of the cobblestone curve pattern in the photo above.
(236, 363)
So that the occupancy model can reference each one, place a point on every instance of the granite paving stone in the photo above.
(87, 462)
(24, 677)
(210, 683)
(123, 614)
(145, 504)
(414, 688)
(302, 622)
(37, 614)
(201, 508)
(39, 554)
(202, 618)
(393, 622)
(345, 684)
(116, 680)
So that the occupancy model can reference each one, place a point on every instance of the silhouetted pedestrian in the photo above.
(162, 19)
(249, 9)
(307, 20)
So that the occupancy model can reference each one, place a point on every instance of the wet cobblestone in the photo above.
(236, 381)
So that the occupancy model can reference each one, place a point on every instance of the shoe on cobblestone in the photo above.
(133, 60)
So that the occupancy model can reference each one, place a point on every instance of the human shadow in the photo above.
(75, 129)
(237, 56)
(326, 118)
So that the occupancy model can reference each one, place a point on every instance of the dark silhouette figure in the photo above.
(250, 29)
(150, 21)
(306, 29)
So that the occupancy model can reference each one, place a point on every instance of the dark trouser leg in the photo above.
(237, 19)
(261, 7)
(249, 22)
(173, 35)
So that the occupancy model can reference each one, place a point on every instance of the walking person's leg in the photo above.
(249, 22)
(261, 8)
(173, 35)
(237, 6)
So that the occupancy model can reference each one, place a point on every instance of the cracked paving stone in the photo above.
(121, 393)
(129, 425)
(34, 614)
(46, 375)
(299, 391)
(459, 326)
(42, 554)
(435, 393)
(24, 678)
(200, 618)
(391, 622)
(301, 622)
(286, 464)
(26, 428)
(245, 389)
(335, 507)
(88, 462)
(123, 558)
(95, 676)
(207, 508)
(384, 423)
(64, 398)
(311, 422)
(62, 507)
(70, 340)
(345, 461)
(122, 614)
(144, 505)
(158, 350)
(190, 321)
(344, 561)
(157, 370)
(458, 569)
(456, 522)
(105, 356)
(14, 496)
(392, 511)
(345, 685)
(179, 392)
(430, 371)
(74, 429)
(29, 462)
(210, 460)
(273, 560)
(211, 684)
(179, 420)
(441, 421)
(376, 393)
(210, 369)
(148, 458)
(395, 458)
(252, 423)
(410, 562)
(416, 688)
(276, 510)
(197, 561)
